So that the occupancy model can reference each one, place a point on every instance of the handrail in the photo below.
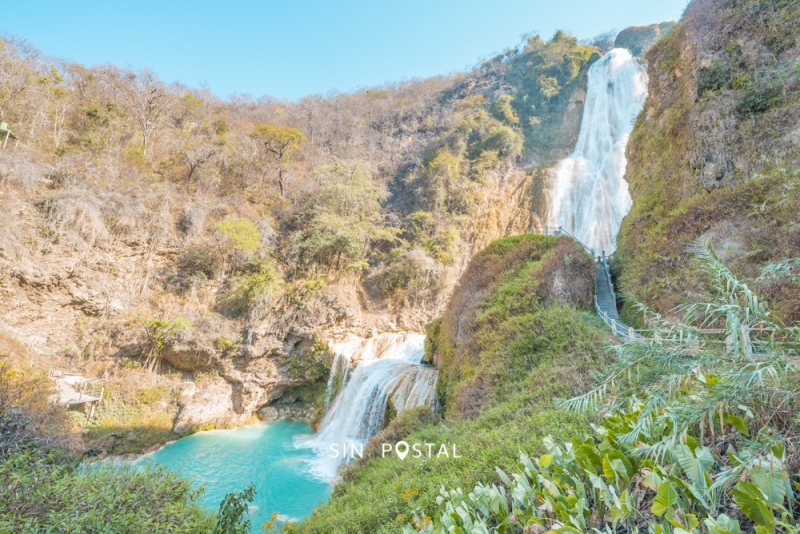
(556, 231)
(627, 333)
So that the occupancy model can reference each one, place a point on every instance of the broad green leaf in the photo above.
(771, 483)
(629, 468)
(751, 501)
(736, 422)
(545, 460)
(779, 451)
(587, 452)
(722, 525)
(624, 509)
(608, 469)
(652, 480)
(503, 476)
(666, 498)
(695, 464)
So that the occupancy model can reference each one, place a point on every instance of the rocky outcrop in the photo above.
(639, 39)
(282, 412)
(255, 375)
(209, 402)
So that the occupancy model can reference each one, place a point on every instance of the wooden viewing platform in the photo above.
(76, 389)
(73, 390)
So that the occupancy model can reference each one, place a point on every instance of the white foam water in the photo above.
(590, 196)
(388, 368)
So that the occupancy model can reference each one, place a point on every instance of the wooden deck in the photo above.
(73, 389)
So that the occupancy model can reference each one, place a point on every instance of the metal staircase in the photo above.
(605, 299)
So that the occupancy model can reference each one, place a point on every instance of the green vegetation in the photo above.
(281, 144)
(545, 80)
(338, 227)
(138, 411)
(241, 234)
(160, 333)
(250, 289)
(47, 487)
(658, 280)
(695, 434)
(521, 350)
(45, 494)
(691, 178)
(232, 515)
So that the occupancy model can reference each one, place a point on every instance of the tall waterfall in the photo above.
(388, 368)
(590, 196)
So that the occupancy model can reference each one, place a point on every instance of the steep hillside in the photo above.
(517, 333)
(714, 155)
(153, 227)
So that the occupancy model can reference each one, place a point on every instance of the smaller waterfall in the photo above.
(591, 197)
(389, 369)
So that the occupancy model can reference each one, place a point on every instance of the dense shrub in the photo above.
(714, 78)
(250, 289)
(760, 97)
(43, 495)
(338, 225)
(197, 262)
(28, 420)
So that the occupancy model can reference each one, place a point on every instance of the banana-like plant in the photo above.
(691, 435)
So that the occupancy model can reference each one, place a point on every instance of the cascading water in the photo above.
(590, 196)
(389, 369)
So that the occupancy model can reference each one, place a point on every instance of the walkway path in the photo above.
(605, 299)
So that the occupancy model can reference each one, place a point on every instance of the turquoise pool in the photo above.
(265, 454)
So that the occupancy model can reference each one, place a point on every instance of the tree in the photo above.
(146, 98)
(281, 144)
(339, 224)
(240, 236)
(196, 156)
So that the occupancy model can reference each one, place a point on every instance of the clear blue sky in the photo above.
(291, 48)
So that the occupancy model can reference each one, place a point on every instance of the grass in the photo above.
(138, 412)
(754, 215)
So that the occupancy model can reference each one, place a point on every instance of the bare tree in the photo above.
(146, 98)
(196, 156)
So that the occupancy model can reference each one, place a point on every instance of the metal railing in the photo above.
(622, 331)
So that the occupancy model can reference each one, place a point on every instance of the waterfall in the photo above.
(590, 196)
(388, 369)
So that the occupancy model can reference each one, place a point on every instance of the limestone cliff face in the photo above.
(714, 152)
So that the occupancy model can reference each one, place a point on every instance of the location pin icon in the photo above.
(402, 454)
